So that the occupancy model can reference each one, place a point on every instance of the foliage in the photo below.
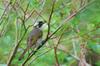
(82, 28)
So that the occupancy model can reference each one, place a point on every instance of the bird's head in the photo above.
(39, 24)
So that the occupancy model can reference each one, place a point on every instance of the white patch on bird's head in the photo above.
(41, 25)
(44, 26)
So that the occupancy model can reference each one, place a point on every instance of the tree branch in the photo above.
(16, 47)
(44, 41)
(55, 49)
(4, 12)
(39, 56)
(50, 18)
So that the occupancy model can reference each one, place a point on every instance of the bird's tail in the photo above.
(22, 55)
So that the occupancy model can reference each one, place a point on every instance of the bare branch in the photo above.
(16, 47)
(66, 20)
(55, 49)
(4, 12)
(54, 1)
(56, 57)
(39, 56)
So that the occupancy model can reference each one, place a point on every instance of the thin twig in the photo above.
(20, 7)
(70, 17)
(16, 47)
(30, 15)
(55, 49)
(66, 20)
(4, 26)
(40, 15)
(4, 12)
(54, 1)
(56, 57)
(97, 27)
(25, 15)
(39, 56)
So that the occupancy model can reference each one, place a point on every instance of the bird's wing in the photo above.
(34, 36)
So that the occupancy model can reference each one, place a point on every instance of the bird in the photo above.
(34, 38)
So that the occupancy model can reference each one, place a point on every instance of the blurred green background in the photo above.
(84, 27)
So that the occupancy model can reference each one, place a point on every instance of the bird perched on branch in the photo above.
(34, 39)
